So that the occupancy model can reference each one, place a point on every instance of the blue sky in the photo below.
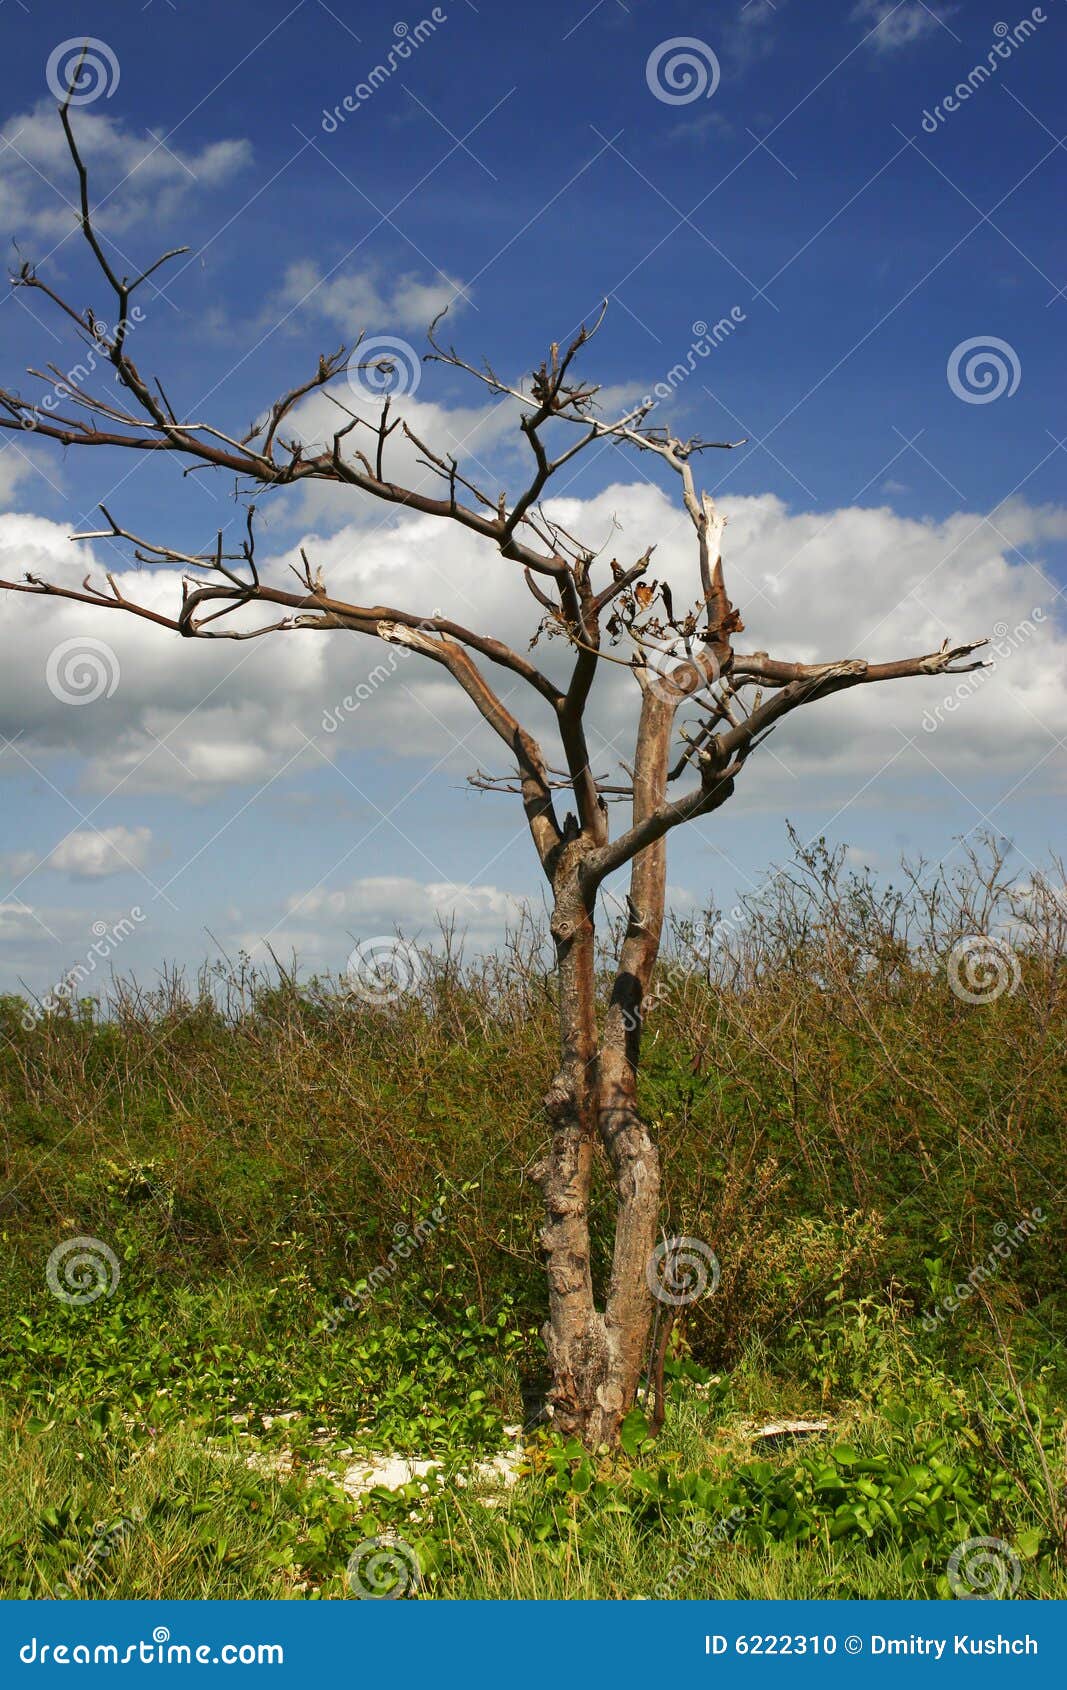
(520, 161)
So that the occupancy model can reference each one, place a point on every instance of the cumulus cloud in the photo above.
(855, 581)
(896, 23)
(16, 466)
(363, 300)
(87, 854)
(18, 923)
(194, 720)
(138, 704)
(92, 853)
(482, 436)
(323, 923)
(415, 907)
(146, 176)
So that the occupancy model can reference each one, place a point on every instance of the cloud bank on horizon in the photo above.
(291, 790)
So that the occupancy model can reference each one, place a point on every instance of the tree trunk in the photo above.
(629, 1146)
(597, 1359)
(574, 1335)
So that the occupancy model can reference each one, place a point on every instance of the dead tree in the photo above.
(701, 707)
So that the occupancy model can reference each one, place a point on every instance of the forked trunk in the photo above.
(597, 1356)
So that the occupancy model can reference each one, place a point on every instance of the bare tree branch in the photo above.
(681, 662)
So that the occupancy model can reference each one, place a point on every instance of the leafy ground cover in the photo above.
(318, 1242)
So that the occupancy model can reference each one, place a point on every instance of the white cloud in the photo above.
(472, 433)
(855, 581)
(46, 945)
(17, 923)
(410, 905)
(173, 715)
(143, 177)
(752, 34)
(896, 23)
(88, 854)
(363, 300)
(92, 853)
(323, 924)
(17, 465)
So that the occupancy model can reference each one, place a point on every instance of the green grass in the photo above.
(323, 1210)
(142, 1457)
